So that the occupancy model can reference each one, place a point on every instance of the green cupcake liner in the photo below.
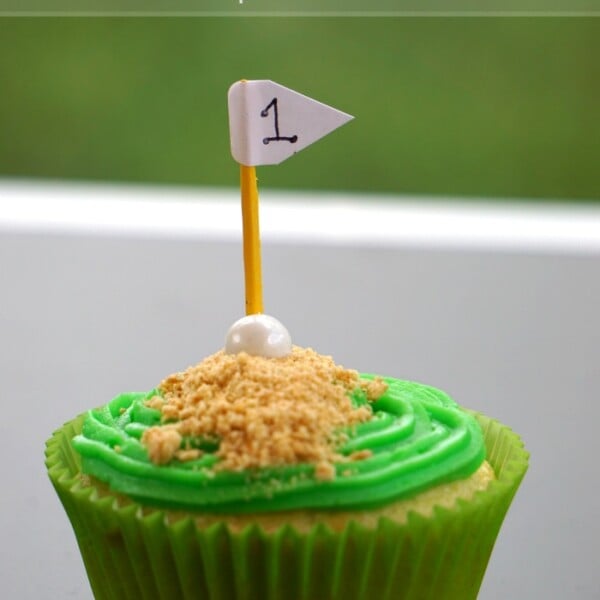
(133, 552)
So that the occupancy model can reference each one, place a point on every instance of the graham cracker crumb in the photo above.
(155, 402)
(185, 455)
(162, 443)
(360, 455)
(325, 471)
(261, 411)
(374, 388)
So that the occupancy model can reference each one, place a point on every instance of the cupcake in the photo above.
(268, 471)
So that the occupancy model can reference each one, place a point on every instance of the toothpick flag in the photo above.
(267, 124)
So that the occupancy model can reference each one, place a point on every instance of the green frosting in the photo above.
(419, 437)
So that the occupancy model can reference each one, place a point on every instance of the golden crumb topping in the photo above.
(261, 411)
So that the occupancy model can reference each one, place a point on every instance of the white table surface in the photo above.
(109, 288)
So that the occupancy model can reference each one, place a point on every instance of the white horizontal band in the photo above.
(299, 217)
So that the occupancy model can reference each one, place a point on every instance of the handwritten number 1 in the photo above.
(276, 138)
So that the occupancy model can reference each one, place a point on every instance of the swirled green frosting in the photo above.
(419, 437)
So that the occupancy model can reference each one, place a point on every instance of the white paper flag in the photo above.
(269, 122)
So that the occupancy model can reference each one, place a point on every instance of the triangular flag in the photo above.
(269, 122)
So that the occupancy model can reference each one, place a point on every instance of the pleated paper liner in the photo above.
(135, 553)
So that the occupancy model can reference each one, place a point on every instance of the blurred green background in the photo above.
(491, 107)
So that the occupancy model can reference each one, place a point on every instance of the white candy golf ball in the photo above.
(259, 335)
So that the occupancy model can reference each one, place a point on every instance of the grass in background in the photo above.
(471, 107)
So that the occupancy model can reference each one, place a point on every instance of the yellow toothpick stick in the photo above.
(252, 265)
